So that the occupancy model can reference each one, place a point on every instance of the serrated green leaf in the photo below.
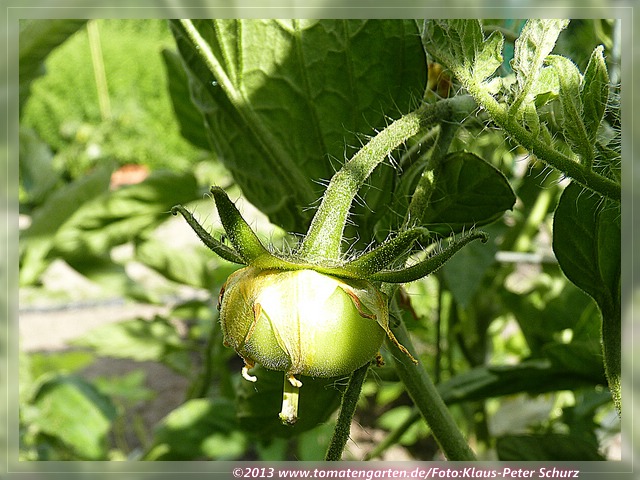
(594, 93)
(455, 43)
(119, 216)
(467, 192)
(587, 243)
(282, 98)
(489, 57)
(37, 39)
(537, 39)
(72, 410)
(572, 123)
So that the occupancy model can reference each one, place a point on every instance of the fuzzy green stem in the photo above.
(347, 409)
(542, 150)
(426, 397)
(424, 189)
(324, 238)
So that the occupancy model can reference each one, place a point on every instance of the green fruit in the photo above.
(302, 322)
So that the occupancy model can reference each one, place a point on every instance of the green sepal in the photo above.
(429, 265)
(216, 246)
(382, 256)
(242, 237)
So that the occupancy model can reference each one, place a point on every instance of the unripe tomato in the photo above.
(301, 321)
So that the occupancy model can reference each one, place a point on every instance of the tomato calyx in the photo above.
(305, 315)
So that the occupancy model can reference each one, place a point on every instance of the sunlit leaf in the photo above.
(282, 98)
(535, 42)
(119, 216)
(38, 240)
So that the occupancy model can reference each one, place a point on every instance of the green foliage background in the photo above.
(513, 345)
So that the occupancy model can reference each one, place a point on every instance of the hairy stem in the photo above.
(323, 240)
(425, 396)
(424, 189)
(542, 150)
(347, 409)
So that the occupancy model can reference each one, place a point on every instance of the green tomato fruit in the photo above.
(302, 322)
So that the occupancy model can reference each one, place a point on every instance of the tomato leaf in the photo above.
(37, 241)
(282, 98)
(534, 44)
(74, 411)
(587, 243)
(140, 340)
(467, 192)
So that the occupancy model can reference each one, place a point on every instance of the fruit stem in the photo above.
(323, 240)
